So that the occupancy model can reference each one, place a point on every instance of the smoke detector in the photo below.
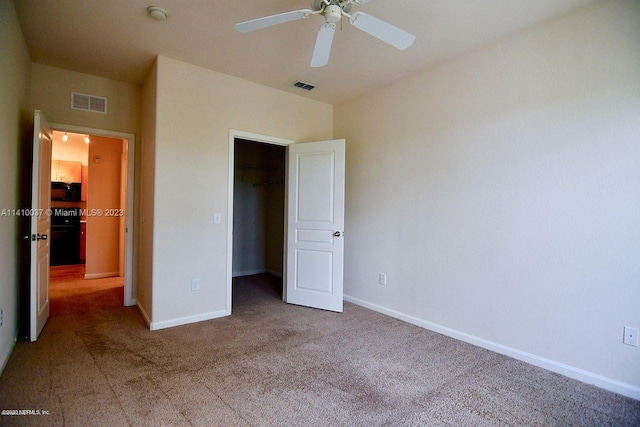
(157, 13)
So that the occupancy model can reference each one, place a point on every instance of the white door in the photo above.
(40, 225)
(315, 224)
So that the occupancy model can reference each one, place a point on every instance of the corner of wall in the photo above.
(146, 194)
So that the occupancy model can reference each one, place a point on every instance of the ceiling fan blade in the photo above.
(323, 45)
(382, 30)
(268, 21)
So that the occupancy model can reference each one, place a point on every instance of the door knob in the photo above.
(35, 237)
(42, 237)
(337, 234)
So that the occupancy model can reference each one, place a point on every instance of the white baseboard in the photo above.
(253, 272)
(248, 272)
(6, 356)
(275, 273)
(606, 383)
(102, 275)
(154, 326)
(145, 316)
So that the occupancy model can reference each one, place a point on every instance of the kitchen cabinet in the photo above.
(66, 171)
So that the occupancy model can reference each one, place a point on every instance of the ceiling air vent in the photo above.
(304, 85)
(82, 101)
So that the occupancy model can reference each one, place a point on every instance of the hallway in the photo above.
(72, 295)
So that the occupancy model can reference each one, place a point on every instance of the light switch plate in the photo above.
(217, 218)
(382, 279)
(630, 336)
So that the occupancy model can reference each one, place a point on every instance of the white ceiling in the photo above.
(117, 40)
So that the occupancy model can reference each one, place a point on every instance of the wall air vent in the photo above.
(82, 101)
(304, 85)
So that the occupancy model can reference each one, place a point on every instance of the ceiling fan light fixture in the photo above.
(157, 13)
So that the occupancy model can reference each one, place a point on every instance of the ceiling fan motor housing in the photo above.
(332, 14)
(321, 4)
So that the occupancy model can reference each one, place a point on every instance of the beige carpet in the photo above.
(273, 364)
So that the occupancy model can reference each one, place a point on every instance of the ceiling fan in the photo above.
(333, 11)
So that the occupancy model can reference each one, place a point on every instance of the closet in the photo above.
(258, 208)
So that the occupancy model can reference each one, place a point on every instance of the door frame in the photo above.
(129, 298)
(265, 139)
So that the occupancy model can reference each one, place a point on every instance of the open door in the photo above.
(40, 225)
(315, 225)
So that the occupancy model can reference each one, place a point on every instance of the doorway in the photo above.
(314, 221)
(256, 213)
(106, 163)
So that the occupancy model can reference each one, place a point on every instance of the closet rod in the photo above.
(268, 183)
(252, 167)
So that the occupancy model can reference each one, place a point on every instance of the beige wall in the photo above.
(14, 131)
(103, 230)
(500, 193)
(147, 193)
(195, 109)
(51, 89)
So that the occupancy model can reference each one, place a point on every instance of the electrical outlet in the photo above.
(382, 279)
(630, 336)
(195, 284)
